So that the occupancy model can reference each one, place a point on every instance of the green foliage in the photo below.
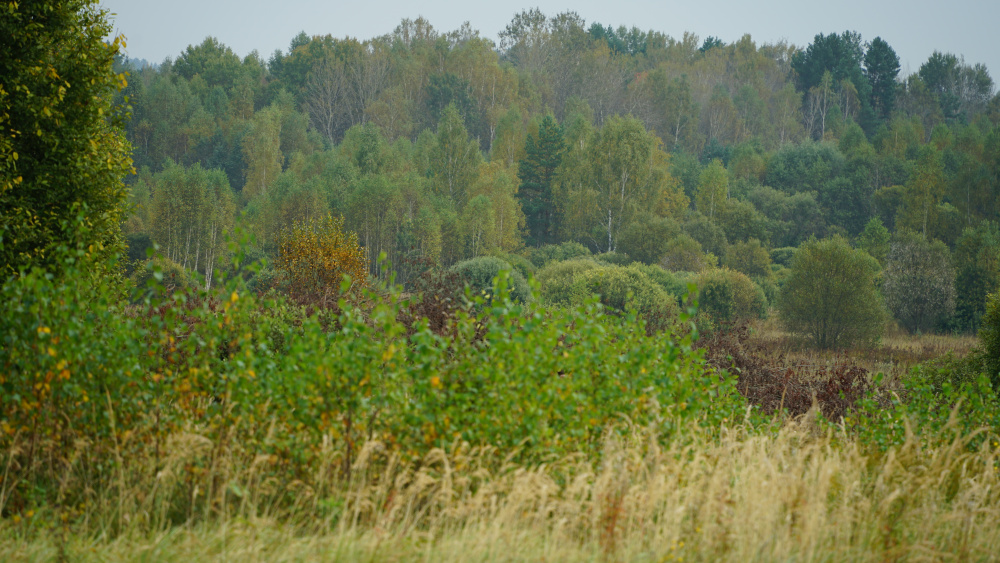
(989, 340)
(875, 240)
(621, 289)
(479, 274)
(543, 155)
(645, 240)
(919, 282)
(614, 258)
(728, 295)
(783, 256)
(749, 257)
(265, 374)
(160, 277)
(543, 255)
(935, 412)
(977, 265)
(557, 280)
(830, 295)
(60, 154)
(675, 285)
(684, 254)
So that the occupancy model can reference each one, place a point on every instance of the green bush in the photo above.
(684, 254)
(160, 277)
(645, 240)
(478, 274)
(673, 283)
(749, 257)
(557, 280)
(989, 340)
(769, 288)
(831, 297)
(624, 288)
(728, 295)
(518, 262)
(545, 254)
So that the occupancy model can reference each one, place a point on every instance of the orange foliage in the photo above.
(316, 254)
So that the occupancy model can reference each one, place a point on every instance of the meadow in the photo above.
(236, 425)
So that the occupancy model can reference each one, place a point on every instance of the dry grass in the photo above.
(795, 495)
(895, 355)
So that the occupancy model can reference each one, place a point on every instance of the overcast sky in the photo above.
(156, 29)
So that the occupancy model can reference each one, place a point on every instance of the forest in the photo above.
(691, 155)
(582, 293)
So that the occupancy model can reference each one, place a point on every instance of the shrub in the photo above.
(545, 254)
(556, 280)
(830, 295)
(160, 277)
(684, 254)
(315, 256)
(919, 282)
(645, 240)
(518, 262)
(784, 256)
(674, 284)
(728, 295)
(624, 288)
(614, 258)
(989, 340)
(478, 274)
(749, 257)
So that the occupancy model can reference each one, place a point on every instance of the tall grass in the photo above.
(797, 494)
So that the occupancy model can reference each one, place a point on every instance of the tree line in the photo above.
(681, 153)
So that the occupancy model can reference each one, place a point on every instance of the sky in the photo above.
(156, 29)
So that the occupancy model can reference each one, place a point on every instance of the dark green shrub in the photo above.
(545, 254)
(783, 256)
(684, 254)
(518, 262)
(645, 240)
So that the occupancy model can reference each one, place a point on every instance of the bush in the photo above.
(315, 256)
(919, 282)
(684, 254)
(556, 280)
(624, 288)
(478, 274)
(645, 240)
(674, 284)
(728, 295)
(614, 258)
(160, 277)
(518, 262)
(831, 297)
(749, 257)
(989, 340)
(556, 253)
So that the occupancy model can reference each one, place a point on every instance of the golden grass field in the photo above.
(794, 495)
